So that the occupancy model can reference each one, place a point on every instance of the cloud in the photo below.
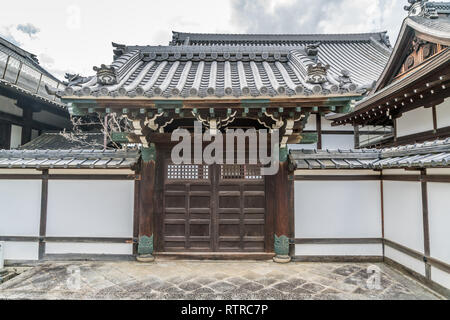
(28, 29)
(319, 16)
(6, 32)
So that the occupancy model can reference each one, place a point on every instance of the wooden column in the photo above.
(319, 130)
(284, 210)
(27, 125)
(147, 207)
(43, 217)
(357, 136)
(426, 224)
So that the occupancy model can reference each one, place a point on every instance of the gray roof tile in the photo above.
(271, 65)
(425, 155)
(61, 159)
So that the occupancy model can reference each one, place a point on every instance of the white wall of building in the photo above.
(338, 141)
(443, 114)
(20, 216)
(90, 209)
(351, 210)
(415, 121)
(439, 220)
(89, 248)
(20, 207)
(440, 277)
(16, 136)
(21, 251)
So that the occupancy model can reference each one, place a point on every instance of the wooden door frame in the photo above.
(163, 151)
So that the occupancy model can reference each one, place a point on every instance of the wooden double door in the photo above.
(216, 208)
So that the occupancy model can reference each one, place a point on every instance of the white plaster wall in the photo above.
(16, 136)
(440, 277)
(326, 125)
(311, 123)
(443, 114)
(403, 217)
(405, 260)
(415, 121)
(90, 208)
(338, 141)
(20, 207)
(21, 251)
(339, 250)
(439, 220)
(337, 209)
(89, 248)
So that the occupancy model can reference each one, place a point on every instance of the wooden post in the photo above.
(284, 210)
(319, 130)
(27, 125)
(147, 207)
(426, 224)
(43, 217)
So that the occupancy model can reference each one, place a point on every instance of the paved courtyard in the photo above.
(210, 280)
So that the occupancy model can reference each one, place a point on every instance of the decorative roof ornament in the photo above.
(344, 78)
(106, 75)
(75, 80)
(385, 39)
(317, 73)
(421, 8)
(119, 50)
(312, 50)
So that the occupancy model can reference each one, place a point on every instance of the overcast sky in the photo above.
(73, 36)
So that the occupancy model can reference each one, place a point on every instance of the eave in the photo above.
(426, 86)
(408, 28)
(127, 105)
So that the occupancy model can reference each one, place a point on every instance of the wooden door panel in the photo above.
(216, 208)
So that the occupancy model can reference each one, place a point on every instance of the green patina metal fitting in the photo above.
(145, 246)
(120, 137)
(149, 154)
(281, 245)
(284, 153)
(309, 138)
(76, 111)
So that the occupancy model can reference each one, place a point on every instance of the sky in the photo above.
(73, 36)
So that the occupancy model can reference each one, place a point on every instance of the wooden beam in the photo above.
(339, 259)
(45, 239)
(337, 177)
(339, 241)
(417, 276)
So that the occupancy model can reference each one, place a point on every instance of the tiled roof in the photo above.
(68, 159)
(58, 141)
(434, 154)
(185, 38)
(24, 56)
(20, 72)
(346, 64)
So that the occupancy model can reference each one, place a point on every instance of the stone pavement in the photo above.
(177, 280)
